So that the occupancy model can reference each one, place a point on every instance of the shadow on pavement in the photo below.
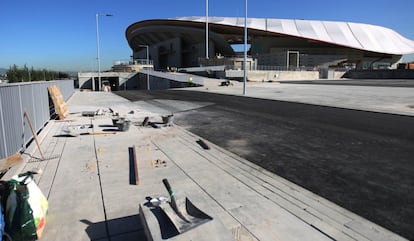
(125, 228)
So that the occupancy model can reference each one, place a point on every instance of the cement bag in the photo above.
(28, 199)
(19, 216)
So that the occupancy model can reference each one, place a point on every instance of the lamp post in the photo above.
(97, 49)
(207, 29)
(245, 50)
(148, 82)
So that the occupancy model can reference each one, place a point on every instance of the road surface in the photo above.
(362, 161)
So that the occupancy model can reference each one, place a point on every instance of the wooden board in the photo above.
(10, 161)
(58, 101)
(34, 133)
(135, 162)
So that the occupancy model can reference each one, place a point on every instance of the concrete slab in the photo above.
(91, 196)
(396, 100)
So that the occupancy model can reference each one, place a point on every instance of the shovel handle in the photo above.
(172, 199)
(168, 187)
(170, 191)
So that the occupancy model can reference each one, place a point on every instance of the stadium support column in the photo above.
(148, 69)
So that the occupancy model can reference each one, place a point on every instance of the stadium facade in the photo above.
(273, 43)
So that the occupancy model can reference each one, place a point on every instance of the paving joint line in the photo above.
(56, 171)
(184, 141)
(205, 191)
(101, 188)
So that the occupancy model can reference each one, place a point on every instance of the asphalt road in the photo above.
(363, 161)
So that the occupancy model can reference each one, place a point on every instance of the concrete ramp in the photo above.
(174, 76)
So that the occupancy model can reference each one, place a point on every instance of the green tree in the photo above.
(26, 74)
(16, 74)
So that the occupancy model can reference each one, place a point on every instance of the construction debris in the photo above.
(168, 120)
(145, 122)
(76, 131)
(158, 163)
(89, 113)
(203, 144)
(123, 124)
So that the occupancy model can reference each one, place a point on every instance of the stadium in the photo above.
(272, 43)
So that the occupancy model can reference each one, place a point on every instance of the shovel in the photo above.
(189, 218)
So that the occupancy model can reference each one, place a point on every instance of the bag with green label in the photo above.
(26, 209)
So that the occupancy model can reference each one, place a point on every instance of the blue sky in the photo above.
(60, 35)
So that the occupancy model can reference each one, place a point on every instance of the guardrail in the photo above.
(33, 98)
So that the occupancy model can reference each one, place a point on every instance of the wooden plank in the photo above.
(10, 161)
(135, 162)
(34, 134)
(58, 101)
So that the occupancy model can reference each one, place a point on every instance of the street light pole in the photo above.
(207, 39)
(148, 82)
(98, 52)
(245, 50)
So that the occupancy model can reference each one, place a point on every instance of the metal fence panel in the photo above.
(3, 143)
(26, 100)
(32, 97)
(12, 118)
(41, 105)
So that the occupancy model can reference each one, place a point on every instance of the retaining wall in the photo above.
(381, 74)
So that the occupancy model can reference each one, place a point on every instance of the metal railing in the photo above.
(285, 68)
(135, 62)
(33, 98)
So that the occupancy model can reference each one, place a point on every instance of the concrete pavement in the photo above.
(87, 180)
(384, 99)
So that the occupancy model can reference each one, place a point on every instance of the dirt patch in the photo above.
(91, 166)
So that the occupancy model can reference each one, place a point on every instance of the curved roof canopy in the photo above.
(360, 36)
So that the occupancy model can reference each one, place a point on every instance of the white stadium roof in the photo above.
(353, 35)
